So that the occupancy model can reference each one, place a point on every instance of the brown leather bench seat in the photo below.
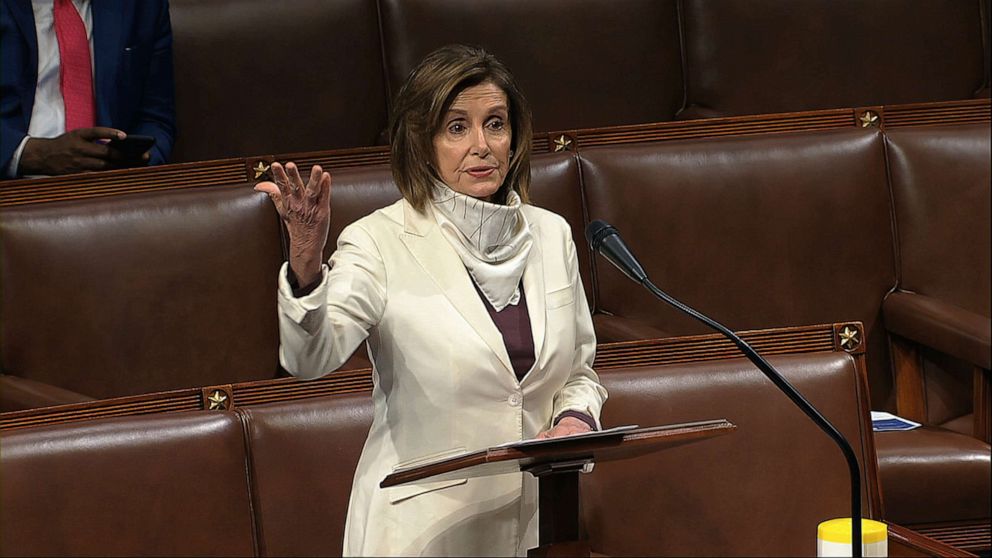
(932, 469)
(758, 232)
(274, 480)
(136, 294)
(320, 75)
(797, 229)
(759, 56)
(941, 198)
(164, 485)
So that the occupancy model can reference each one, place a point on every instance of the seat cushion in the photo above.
(931, 474)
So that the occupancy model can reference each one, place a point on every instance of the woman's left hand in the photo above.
(565, 427)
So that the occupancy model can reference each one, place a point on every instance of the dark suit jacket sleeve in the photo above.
(13, 57)
(157, 110)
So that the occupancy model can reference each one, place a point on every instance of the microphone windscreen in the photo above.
(596, 231)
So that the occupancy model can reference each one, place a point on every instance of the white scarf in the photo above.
(492, 240)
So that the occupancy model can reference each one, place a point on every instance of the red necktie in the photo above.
(77, 78)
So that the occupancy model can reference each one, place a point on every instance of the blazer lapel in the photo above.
(109, 17)
(533, 281)
(431, 250)
(23, 16)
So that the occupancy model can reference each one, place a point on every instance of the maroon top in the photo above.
(513, 323)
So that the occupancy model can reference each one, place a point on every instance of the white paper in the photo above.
(887, 422)
(590, 434)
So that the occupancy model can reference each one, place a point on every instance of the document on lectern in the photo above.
(584, 436)
(621, 442)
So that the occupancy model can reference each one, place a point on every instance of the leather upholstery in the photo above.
(303, 458)
(928, 469)
(756, 232)
(795, 230)
(597, 63)
(253, 78)
(20, 393)
(731, 495)
(941, 193)
(115, 484)
(839, 53)
(937, 324)
(940, 179)
(136, 294)
(319, 75)
(160, 485)
(556, 185)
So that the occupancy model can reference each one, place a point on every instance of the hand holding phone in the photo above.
(132, 148)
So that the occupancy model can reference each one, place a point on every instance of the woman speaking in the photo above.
(470, 301)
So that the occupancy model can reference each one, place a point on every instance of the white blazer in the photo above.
(443, 379)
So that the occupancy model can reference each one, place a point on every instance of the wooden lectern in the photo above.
(557, 463)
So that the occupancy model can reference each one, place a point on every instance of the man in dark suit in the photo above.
(55, 117)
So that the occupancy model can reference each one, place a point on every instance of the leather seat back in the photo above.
(598, 63)
(753, 57)
(161, 485)
(941, 180)
(141, 293)
(764, 486)
(940, 189)
(755, 232)
(303, 459)
(253, 80)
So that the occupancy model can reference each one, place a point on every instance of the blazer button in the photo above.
(514, 399)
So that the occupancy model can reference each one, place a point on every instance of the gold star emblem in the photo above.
(260, 169)
(868, 119)
(563, 143)
(849, 338)
(218, 400)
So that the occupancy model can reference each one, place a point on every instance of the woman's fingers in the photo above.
(281, 179)
(295, 182)
(313, 185)
(324, 189)
(269, 188)
(272, 190)
(304, 208)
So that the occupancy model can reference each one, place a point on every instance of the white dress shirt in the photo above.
(48, 112)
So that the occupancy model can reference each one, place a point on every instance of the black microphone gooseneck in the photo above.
(605, 240)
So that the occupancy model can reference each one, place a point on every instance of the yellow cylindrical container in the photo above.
(833, 538)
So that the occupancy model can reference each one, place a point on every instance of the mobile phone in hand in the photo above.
(132, 147)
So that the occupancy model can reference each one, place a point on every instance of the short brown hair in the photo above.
(419, 110)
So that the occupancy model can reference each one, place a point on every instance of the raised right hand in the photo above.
(305, 209)
(75, 151)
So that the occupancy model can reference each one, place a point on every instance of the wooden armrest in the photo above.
(939, 325)
(17, 394)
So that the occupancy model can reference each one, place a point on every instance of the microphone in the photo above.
(605, 240)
